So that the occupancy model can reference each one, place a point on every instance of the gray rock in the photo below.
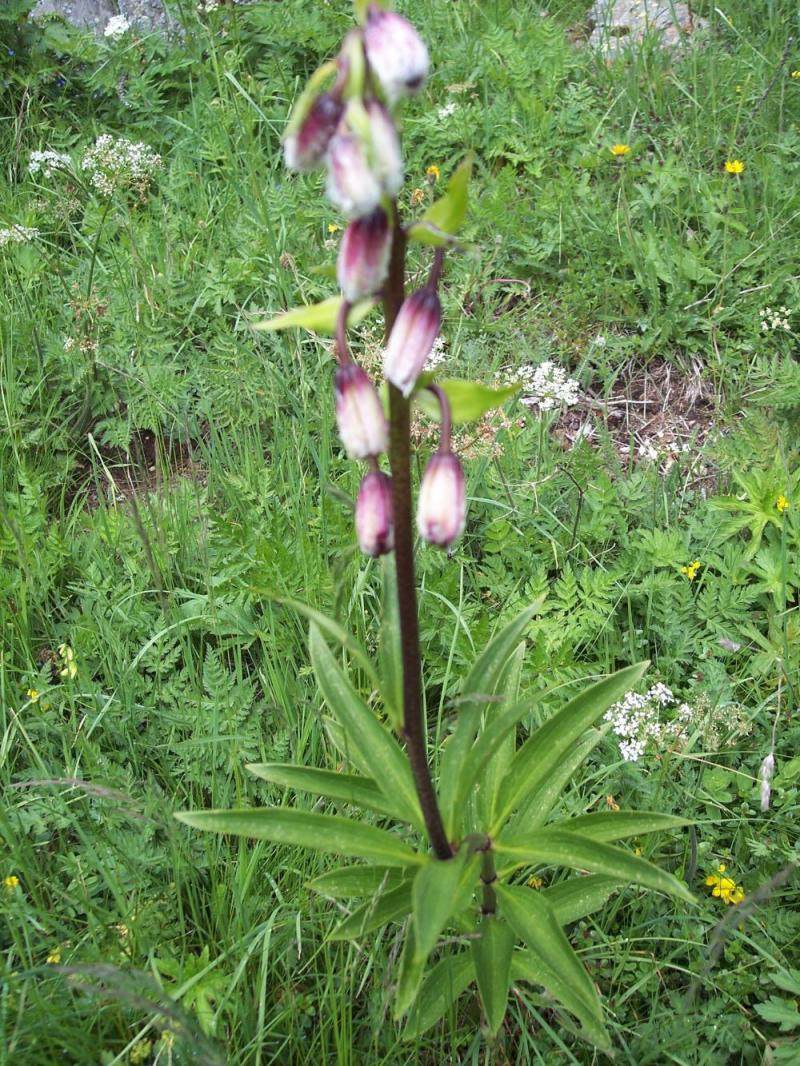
(145, 15)
(622, 24)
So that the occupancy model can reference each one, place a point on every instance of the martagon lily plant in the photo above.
(446, 844)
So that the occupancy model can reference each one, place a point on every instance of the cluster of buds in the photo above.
(348, 128)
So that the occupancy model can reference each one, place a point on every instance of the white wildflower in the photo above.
(600, 341)
(48, 161)
(437, 354)
(547, 386)
(116, 27)
(636, 722)
(775, 318)
(447, 110)
(17, 235)
(116, 161)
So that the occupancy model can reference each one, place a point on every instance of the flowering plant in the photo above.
(452, 832)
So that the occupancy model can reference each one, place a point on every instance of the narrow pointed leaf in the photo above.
(494, 769)
(491, 955)
(469, 400)
(607, 826)
(316, 318)
(539, 804)
(477, 695)
(320, 832)
(439, 889)
(533, 920)
(444, 983)
(374, 750)
(350, 788)
(531, 967)
(557, 847)
(577, 897)
(391, 660)
(389, 907)
(410, 974)
(351, 882)
(545, 748)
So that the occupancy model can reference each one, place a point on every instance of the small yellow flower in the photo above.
(637, 852)
(333, 227)
(782, 503)
(722, 867)
(724, 888)
(691, 570)
(535, 882)
(433, 173)
(738, 88)
(33, 695)
(11, 882)
(620, 149)
(70, 669)
(795, 74)
(54, 958)
(734, 166)
(417, 196)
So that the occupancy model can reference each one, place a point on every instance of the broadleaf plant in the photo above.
(444, 845)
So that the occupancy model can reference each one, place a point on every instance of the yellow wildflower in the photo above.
(54, 958)
(33, 695)
(619, 149)
(738, 88)
(691, 570)
(795, 74)
(535, 882)
(70, 668)
(734, 166)
(433, 173)
(637, 852)
(333, 227)
(417, 196)
(782, 503)
(724, 888)
(11, 882)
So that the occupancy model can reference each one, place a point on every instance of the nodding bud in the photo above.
(442, 505)
(396, 52)
(359, 413)
(306, 148)
(387, 160)
(374, 527)
(352, 184)
(364, 256)
(410, 342)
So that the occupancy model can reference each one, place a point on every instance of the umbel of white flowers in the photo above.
(349, 129)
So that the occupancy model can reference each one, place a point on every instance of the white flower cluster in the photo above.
(547, 386)
(774, 318)
(671, 450)
(48, 161)
(437, 354)
(636, 720)
(17, 235)
(447, 110)
(205, 7)
(116, 27)
(114, 161)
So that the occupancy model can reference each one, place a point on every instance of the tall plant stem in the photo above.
(400, 461)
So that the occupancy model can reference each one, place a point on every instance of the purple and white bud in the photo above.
(374, 527)
(364, 256)
(387, 159)
(352, 184)
(396, 53)
(359, 413)
(442, 505)
(306, 148)
(410, 342)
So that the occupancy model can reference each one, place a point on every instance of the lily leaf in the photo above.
(316, 318)
(468, 399)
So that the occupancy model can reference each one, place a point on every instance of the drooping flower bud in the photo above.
(442, 506)
(359, 413)
(396, 52)
(415, 330)
(387, 160)
(374, 527)
(364, 256)
(352, 184)
(306, 147)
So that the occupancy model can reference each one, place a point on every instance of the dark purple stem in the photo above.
(342, 349)
(447, 423)
(436, 269)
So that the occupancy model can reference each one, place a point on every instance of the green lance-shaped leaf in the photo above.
(316, 318)
(607, 826)
(445, 217)
(577, 897)
(469, 400)
(531, 967)
(533, 920)
(539, 804)
(352, 882)
(557, 847)
(374, 750)
(544, 749)
(477, 696)
(495, 768)
(391, 658)
(442, 986)
(320, 832)
(360, 791)
(391, 906)
(491, 955)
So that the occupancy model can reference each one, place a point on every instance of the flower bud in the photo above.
(306, 148)
(442, 506)
(364, 256)
(374, 527)
(359, 413)
(396, 52)
(352, 184)
(387, 160)
(410, 342)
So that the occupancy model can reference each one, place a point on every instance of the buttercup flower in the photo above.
(734, 166)
(433, 173)
(724, 888)
(54, 958)
(691, 570)
(33, 695)
(11, 882)
(782, 503)
(618, 150)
